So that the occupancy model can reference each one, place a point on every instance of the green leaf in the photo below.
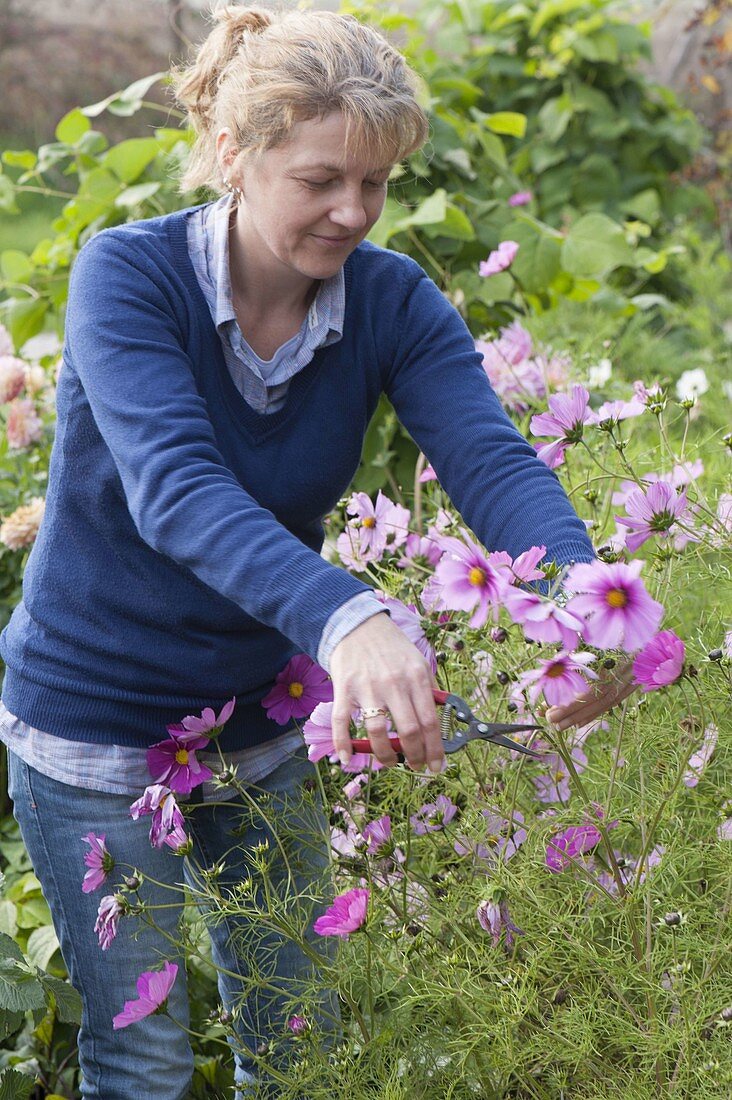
(34, 912)
(456, 225)
(538, 258)
(555, 116)
(8, 917)
(650, 301)
(19, 158)
(9, 948)
(125, 102)
(646, 205)
(19, 990)
(597, 47)
(7, 196)
(552, 9)
(15, 266)
(42, 946)
(130, 158)
(460, 160)
(10, 1022)
(15, 1085)
(72, 126)
(595, 245)
(133, 196)
(431, 211)
(68, 1001)
(507, 122)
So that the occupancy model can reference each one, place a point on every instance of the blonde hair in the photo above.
(260, 72)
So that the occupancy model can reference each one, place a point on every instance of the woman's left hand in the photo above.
(613, 686)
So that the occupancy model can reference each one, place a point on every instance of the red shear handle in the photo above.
(364, 745)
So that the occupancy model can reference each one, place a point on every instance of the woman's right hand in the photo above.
(377, 666)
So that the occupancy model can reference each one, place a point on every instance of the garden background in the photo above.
(548, 132)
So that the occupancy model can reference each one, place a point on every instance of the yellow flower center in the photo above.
(616, 597)
(295, 690)
(559, 776)
(476, 577)
(369, 521)
(181, 757)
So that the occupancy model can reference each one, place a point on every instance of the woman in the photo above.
(221, 365)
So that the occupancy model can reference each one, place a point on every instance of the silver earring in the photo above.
(235, 191)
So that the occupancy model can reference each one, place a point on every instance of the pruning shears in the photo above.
(456, 710)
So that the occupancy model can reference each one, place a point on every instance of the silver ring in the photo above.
(373, 712)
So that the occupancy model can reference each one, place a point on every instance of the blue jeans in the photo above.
(153, 1057)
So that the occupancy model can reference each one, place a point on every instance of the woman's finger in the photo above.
(594, 702)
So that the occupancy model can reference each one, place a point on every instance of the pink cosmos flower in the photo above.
(500, 259)
(699, 760)
(420, 550)
(318, 736)
(378, 834)
(153, 990)
(352, 788)
(520, 570)
(23, 424)
(6, 342)
(207, 724)
(611, 412)
(655, 512)
(167, 826)
(660, 662)
(298, 1024)
(174, 764)
(12, 377)
(649, 395)
(561, 678)
(299, 687)
(727, 644)
(553, 786)
(566, 419)
(409, 620)
(575, 841)
(433, 816)
(465, 580)
(111, 908)
(612, 600)
(542, 620)
(428, 474)
(517, 379)
(520, 198)
(345, 915)
(98, 860)
(493, 917)
(375, 528)
(503, 840)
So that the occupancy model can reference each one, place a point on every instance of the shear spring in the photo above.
(447, 727)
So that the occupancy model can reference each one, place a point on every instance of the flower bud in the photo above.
(498, 635)
(502, 677)
(716, 655)
(672, 919)
(726, 1013)
(512, 707)
(133, 882)
(609, 662)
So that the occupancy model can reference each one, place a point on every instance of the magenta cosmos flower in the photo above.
(520, 198)
(660, 662)
(378, 834)
(500, 259)
(346, 914)
(111, 908)
(98, 860)
(561, 678)
(298, 689)
(575, 841)
(655, 512)
(566, 419)
(613, 602)
(174, 763)
(167, 826)
(153, 990)
(409, 620)
(464, 580)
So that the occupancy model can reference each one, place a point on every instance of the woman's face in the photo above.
(306, 205)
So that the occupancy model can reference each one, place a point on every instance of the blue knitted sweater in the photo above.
(178, 561)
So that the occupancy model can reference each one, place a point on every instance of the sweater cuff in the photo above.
(345, 619)
(565, 555)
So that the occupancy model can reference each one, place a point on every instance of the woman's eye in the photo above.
(317, 185)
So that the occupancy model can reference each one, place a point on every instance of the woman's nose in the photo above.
(349, 211)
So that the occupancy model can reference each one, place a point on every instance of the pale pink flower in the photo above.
(520, 570)
(566, 419)
(553, 785)
(99, 861)
(433, 816)
(568, 845)
(493, 917)
(111, 908)
(699, 760)
(12, 377)
(464, 580)
(153, 990)
(421, 550)
(660, 662)
(298, 1024)
(409, 621)
(655, 512)
(499, 260)
(614, 604)
(428, 474)
(542, 620)
(611, 412)
(167, 820)
(520, 198)
(6, 342)
(352, 788)
(517, 379)
(20, 528)
(208, 724)
(378, 834)
(23, 424)
(379, 524)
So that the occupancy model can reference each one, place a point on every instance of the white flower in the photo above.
(599, 374)
(692, 384)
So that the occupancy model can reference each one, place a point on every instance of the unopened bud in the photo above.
(133, 882)
(726, 1013)
(672, 919)
(498, 635)
(716, 655)
(609, 662)
(502, 677)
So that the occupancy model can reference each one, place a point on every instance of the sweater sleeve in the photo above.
(125, 343)
(440, 392)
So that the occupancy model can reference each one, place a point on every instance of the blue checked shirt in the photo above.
(263, 384)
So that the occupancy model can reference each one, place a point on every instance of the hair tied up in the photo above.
(239, 21)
